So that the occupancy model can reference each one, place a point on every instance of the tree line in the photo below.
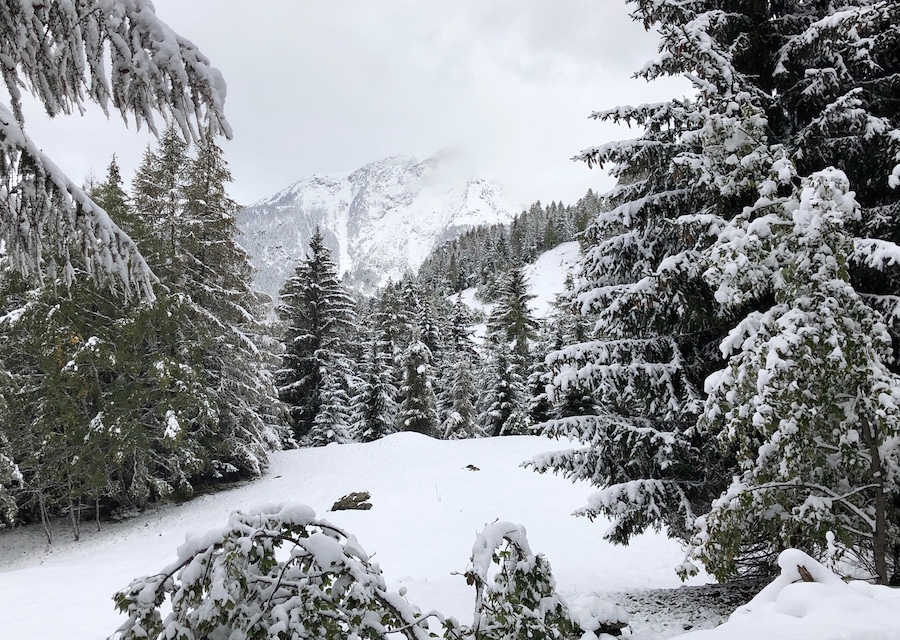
(481, 255)
(406, 359)
(110, 405)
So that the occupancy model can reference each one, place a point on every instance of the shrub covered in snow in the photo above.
(522, 601)
(270, 573)
(278, 573)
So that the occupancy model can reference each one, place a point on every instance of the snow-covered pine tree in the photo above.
(216, 274)
(9, 479)
(503, 397)
(459, 391)
(779, 85)
(158, 198)
(375, 405)
(511, 329)
(828, 81)
(807, 399)
(418, 407)
(66, 54)
(332, 421)
(511, 320)
(457, 394)
(657, 323)
(319, 318)
(189, 226)
(92, 396)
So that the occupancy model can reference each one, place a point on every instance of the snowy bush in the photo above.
(270, 573)
(522, 601)
(278, 573)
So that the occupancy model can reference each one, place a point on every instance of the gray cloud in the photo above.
(328, 86)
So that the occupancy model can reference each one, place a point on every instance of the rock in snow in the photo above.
(380, 221)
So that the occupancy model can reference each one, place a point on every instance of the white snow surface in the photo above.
(427, 510)
(827, 608)
(546, 277)
(380, 221)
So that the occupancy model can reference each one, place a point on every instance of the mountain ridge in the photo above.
(380, 220)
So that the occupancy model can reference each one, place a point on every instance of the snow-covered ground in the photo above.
(546, 277)
(427, 508)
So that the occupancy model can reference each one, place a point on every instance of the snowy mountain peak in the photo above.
(380, 221)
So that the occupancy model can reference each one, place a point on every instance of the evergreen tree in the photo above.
(784, 90)
(9, 478)
(375, 406)
(511, 320)
(205, 278)
(457, 396)
(100, 387)
(216, 273)
(510, 332)
(315, 372)
(807, 399)
(158, 197)
(460, 391)
(657, 323)
(418, 410)
(503, 401)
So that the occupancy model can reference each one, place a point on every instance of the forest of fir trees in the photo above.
(407, 359)
(727, 355)
(111, 404)
(157, 399)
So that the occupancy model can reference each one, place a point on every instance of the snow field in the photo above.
(427, 509)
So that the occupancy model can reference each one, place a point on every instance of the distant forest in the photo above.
(482, 255)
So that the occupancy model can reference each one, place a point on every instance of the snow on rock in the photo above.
(380, 221)
(591, 611)
(825, 609)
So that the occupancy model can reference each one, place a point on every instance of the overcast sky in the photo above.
(318, 86)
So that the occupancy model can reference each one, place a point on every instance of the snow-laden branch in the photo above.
(67, 53)
(39, 203)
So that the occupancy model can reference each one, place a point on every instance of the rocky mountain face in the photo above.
(380, 221)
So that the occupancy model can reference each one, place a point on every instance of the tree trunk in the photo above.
(45, 521)
(879, 537)
(73, 516)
